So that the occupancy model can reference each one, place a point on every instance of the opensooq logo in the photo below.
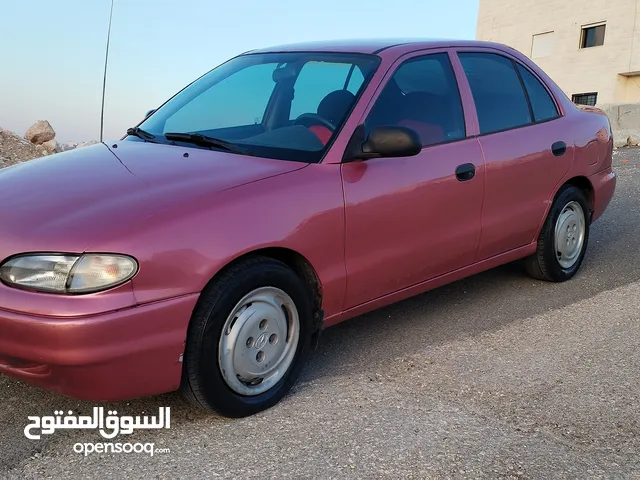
(109, 426)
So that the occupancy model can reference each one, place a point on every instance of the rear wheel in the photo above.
(562, 243)
(248, 339)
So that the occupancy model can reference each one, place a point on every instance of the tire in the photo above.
(265, 297)
(570, 210)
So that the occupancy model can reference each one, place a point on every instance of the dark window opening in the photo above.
(423, 95)
(541, 102)
(498, 93)
(592, 36)
(585, 98)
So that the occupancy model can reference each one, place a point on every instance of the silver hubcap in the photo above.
(259, 341)
(570, 231)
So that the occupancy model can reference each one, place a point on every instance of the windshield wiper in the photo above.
(138, 132)
(199, 139)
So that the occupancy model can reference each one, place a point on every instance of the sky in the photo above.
(54, 51)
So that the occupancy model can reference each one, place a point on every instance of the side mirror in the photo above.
(383, 142)
(149, 112)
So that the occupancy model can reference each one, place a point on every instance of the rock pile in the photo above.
(42, 134)
(39, 141)
(15, 149)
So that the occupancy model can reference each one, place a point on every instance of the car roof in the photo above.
(373, 45)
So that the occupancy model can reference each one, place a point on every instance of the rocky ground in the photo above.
(38, 141)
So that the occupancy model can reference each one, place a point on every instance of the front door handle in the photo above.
(559, 149)
(465, 172)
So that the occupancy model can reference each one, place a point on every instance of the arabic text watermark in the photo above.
(109, 427)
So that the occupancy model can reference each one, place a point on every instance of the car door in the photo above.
(410, 219)
(526, 144)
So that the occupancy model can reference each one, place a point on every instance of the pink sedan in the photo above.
(285, 191)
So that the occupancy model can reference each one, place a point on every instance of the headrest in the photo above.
(335, 105)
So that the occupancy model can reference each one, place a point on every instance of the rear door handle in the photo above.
(465, 172)
(559, 148)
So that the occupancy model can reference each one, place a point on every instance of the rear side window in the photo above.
(497, 91)
(541, 102)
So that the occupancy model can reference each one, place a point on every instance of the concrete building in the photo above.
(590, 48)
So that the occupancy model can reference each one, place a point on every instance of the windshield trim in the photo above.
(280, 153)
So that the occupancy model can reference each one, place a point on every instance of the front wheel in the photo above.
(247, 339)
(562, 243)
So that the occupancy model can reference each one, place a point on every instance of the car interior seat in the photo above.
(425, 113)
(333, 108)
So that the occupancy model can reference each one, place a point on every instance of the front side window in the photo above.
(285, 106)
(422, 94)
(498, 95)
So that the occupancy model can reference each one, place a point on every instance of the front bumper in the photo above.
(124, 354)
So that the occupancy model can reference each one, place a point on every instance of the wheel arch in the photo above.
(586, 187)
(578, 181)
(301, 267)
(543, 263)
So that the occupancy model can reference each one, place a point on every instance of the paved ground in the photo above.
(497, 376)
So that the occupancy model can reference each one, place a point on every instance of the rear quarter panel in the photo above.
(594, 156)
(593, 141)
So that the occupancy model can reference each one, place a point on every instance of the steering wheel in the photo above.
(309, 119)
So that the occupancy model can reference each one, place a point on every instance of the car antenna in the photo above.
(104, 79)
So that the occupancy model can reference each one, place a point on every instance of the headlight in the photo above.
(61, 273)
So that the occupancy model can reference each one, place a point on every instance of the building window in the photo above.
(585, 98)
(592, 36)
(542, 45)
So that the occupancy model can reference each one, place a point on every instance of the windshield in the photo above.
(287, 106)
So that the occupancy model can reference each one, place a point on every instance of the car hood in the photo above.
(67, 201)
